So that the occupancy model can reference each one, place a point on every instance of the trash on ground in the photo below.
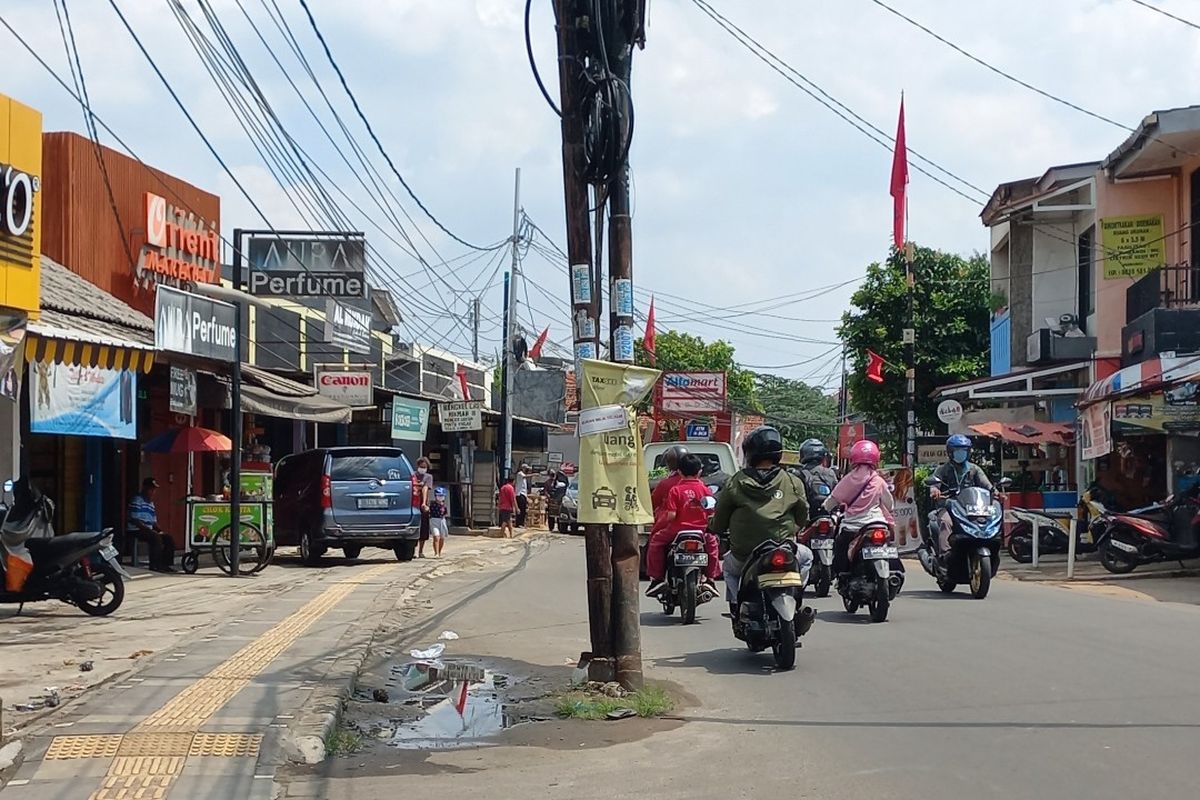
(52, 696)
(379, 695)
(86, 666)
(448, 636)
(141, 653)
(430, 653)
(35, 704)
(621, 713)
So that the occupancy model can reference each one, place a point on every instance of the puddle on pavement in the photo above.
(427, 709)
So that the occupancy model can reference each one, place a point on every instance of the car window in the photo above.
(709, 463)
(364, 466)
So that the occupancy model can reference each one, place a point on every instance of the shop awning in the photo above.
(1030, 433)
(82, 324)
(1152, 374)
(274, 396)
(1016, 385)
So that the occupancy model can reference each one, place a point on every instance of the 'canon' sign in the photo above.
(354, 388)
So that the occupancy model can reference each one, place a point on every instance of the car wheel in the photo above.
(351, 550)
(405, 550)
(310, 551)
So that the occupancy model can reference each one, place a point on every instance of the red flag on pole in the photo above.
(462, 382)
(875, 364)
(536, 351)
(899, 188)
(460, 703)
(649, 338)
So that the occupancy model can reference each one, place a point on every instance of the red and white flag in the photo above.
(875, 365)
(648, 340)
(460, 703)
(899, 188)
(536, 351)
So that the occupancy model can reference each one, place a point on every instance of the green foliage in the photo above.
(952, 333)
(685, 352)
(651, 701)
(798, 410)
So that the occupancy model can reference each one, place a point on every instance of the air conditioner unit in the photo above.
(1045, 346)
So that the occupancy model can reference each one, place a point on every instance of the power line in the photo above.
(371, 131)
(1166, 13)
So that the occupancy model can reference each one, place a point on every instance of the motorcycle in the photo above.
(1053, 536)
(687, 559)
(975, 539)
(79, 569)
(769, 611)
(818, 537)
(876, 574)
(1167, 531)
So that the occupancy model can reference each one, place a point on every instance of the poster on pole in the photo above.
(614, 487)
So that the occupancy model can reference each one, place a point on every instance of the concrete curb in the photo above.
(1103, 577)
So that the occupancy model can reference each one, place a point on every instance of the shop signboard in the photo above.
(183, 391)
(350, 387)
(461, 416)
(410, 419)
(180, 247)
(326, 265)
(20, 206)
(695, 392)
(1176, 410)
(73, 400)
(1132, 246)
(194, 325)
(348, 327)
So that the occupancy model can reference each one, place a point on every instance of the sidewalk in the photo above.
(242, 675)
(1088, 568)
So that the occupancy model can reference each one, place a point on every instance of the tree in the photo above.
(952, 333)
(684, 352)
(798, 410)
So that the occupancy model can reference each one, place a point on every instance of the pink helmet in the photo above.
(864, 452)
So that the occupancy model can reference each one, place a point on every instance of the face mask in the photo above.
(959, 456)
(421, 470)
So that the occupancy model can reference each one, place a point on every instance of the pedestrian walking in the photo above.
(438, 527)
(423, 490)
(506, 506)
(521, 485)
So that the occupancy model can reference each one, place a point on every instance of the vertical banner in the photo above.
(1095, 431)
(614, 487)
(908, 538)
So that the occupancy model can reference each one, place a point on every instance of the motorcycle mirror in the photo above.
(933, 480)
(708, 503)
(1005, 483)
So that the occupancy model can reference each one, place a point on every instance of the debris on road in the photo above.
(87, 666)
(428, 654)
(448, 636)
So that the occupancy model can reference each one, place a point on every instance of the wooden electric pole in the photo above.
(584, 304)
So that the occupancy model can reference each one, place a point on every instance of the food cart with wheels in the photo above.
(209, 527)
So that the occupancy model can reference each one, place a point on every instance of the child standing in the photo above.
(438, 528)
(506, 505)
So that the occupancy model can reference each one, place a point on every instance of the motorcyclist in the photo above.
(819, 479)
(759, 503)
(658, 497)
(866, 497)
(956, 474)
(683, 510)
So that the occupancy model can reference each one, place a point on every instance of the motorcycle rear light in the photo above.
(779, 560)
(692, 546)
(878, 536)
(824, 526)
(326, 492)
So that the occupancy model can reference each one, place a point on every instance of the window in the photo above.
(710, 463)
(365, 466)
(1087, 299)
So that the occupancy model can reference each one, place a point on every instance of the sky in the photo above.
(748, 193)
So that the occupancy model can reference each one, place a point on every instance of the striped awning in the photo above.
(1148, 376)
(57, 338)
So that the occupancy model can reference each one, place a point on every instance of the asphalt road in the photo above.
(1036, 692)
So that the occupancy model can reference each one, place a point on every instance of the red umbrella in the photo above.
(189, 439)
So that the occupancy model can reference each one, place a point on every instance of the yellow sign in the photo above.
(614, 488)
(1132, 246)
(20, 206)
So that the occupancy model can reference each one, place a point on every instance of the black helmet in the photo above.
(673, 455)
(762, 444)
(812, 450)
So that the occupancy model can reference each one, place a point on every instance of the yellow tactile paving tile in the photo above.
(148, 759)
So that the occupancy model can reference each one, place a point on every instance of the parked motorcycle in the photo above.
(1167, 531)
(80, 569)
(818, 537)
(769, 611)
(975, 539)
(876, 573)
(1053, 536)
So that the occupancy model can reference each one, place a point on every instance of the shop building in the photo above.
(20, 262)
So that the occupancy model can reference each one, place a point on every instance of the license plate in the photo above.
(1128, 548)
(822, 544)
(880, 552)
(691, 559)
(108, 553)
(373, 502)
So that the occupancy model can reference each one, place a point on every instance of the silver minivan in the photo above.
(347, 498)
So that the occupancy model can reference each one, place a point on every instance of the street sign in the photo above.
(698, 432)
(461, 416)
(410, 418)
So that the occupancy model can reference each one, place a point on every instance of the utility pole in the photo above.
(626, 550)
(584, 323)
(910, 364)
(510, 327)
(475, 330)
